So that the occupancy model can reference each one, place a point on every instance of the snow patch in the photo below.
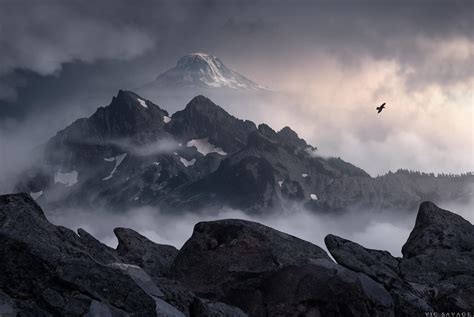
(187, 163)
(142, 103)
(67, 179)
(314, 197)
(36, 195)
(124, 266)
(156, 163)
(118, 160)
(166, 119)
(304, 175)
(280, 183)
(204, 147)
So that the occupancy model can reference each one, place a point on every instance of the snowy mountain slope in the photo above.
(203, 70)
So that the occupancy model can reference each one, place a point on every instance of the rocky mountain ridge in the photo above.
(229, 268)
(134, 153)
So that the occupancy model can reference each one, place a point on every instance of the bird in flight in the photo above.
(379, 109)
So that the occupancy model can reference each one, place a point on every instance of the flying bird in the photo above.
(379, 109)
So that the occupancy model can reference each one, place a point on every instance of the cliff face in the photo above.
(229, 268)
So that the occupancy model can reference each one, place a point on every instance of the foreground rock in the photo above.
(136, 249)
(439, 258)
(220, 250)
(229, 268)
(383, 268)
(49, 270)
(436, 272)
(269, 273)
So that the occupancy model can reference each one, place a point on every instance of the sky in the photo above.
(332, 61)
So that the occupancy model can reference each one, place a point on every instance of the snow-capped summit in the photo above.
(204, 71)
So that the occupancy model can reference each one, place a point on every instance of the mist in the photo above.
(383, 230)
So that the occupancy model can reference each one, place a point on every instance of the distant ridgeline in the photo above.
(418, 173)
(133, 153)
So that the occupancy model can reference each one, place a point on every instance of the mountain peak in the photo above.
(202, 70)
(201, 102)
(195, 59)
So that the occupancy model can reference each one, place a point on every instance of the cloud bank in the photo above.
(384, 230)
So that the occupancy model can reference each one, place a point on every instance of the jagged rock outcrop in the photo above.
(49, 270)
(229, 268)
(155, 259)
(437, 268)
(439, 257)
(203, 119)
(383, 268)
(437, 230)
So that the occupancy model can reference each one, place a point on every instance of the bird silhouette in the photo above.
(379, 109)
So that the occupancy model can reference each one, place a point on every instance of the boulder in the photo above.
(322, 288)
(383, 268)
(439, 258)
(217, 250)
(266, 272)
(436, 230)
(133, 248)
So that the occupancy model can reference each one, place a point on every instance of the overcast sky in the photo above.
(337, 60)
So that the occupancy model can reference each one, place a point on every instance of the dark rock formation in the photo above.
(217, 250)
(47, 268)
(319, 289)
(229, 268)
(439, 258)
(436, 230)
(155, 259)
(383, 268)
(268, 273)
(436, 272)
(203, 119)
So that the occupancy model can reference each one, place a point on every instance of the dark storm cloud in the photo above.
(60, 60)
(40, 36)
(55, 55)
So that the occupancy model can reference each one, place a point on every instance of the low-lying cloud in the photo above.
(161, 146)
(384, 230)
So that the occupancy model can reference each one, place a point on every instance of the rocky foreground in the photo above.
(229, 268)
